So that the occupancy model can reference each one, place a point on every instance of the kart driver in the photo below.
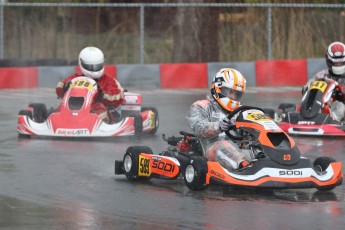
(110, 92)
(335, 59)
(208, 119)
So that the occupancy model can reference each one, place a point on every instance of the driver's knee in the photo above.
(226, 160)
(229, 156)
(211, 152)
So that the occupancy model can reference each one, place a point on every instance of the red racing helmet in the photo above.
(335, 58)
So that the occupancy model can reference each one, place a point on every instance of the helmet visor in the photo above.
(92, 67)
(338, 63)
(231, 93)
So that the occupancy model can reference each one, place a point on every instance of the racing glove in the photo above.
(60, 89)
(225, 124)
(66, 86)
(59, 92)
(339, 96)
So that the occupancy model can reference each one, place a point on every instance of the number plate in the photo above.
(144, 166)
(319, 85)
(82, 84)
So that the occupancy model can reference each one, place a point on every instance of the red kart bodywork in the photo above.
(74, 119)
(312, 116)
(309, 128)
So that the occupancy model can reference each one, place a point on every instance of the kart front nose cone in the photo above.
(189, 173)
(127, 163)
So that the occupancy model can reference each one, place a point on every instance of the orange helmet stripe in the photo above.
(229, 103)
(226, 76)
(234, 86)
(238, 78)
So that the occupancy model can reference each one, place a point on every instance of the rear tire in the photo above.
(156, 121)
(131, 162)
(195, 174)
(39, 111)
(320, 165)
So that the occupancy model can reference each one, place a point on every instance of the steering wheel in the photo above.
(240, 109)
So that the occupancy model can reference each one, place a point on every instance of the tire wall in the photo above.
(172, 76)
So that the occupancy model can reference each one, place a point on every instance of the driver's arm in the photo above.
(60, 88)
(200, 122)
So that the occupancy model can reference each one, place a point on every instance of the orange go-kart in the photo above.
(277, 162)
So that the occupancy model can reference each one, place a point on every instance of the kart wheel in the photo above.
(131, 162)
(320, 166)
(39, 111)
(155, 111)
(195, 174)
(25, 113)
(269, 112)
(322, 163)
(287, 107)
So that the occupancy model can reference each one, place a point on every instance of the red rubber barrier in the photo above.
(184, 75)
(180, 75)
(18, 77)
(281, 73)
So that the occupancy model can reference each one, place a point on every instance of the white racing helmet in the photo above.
(91, 62)
(335, 58)
(227, 88)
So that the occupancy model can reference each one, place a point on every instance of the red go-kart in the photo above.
(74, 119)
(312, 116)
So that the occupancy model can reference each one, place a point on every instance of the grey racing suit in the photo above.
(203, 118)
(337, 107)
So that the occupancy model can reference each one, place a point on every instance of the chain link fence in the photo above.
(146, 32)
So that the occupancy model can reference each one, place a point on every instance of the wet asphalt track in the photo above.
(70, 184)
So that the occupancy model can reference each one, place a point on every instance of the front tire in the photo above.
(320, 165)
(28, 114)
(25, 112)
(39, 112)
(131, 162)
(195, 174)
(287, 107)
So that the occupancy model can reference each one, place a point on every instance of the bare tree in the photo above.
(195, 34)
